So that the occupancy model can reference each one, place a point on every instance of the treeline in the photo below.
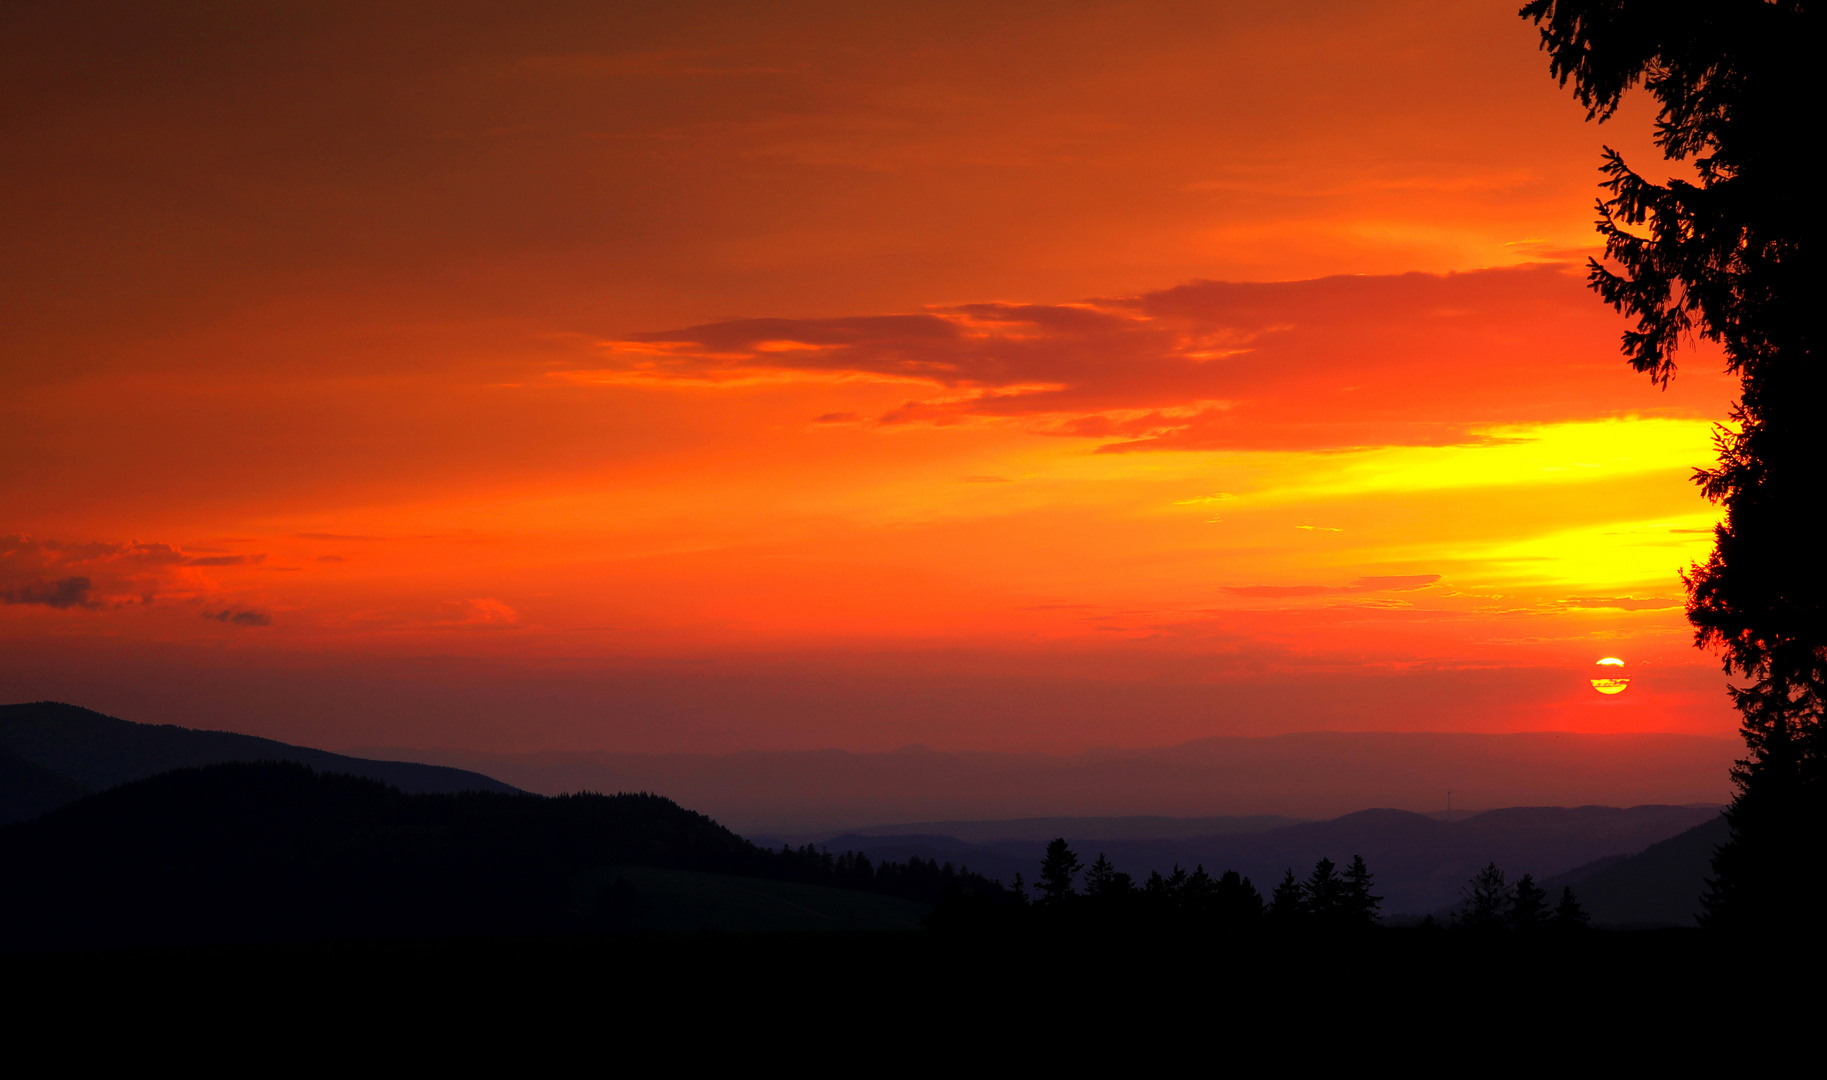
(1329, 900)
(1488, 903)
(926, 880)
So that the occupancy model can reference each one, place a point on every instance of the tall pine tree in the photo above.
(1485, 901)
(1288, 904)
(1057, 869)
(1360, 908)
(1528, 905)
(1324, 893)
(1568, 914)
(1731, 259)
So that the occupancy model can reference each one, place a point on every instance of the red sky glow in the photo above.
(710, 377)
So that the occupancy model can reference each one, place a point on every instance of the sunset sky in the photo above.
(750, 376)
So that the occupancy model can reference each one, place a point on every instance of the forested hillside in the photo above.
(275, 851)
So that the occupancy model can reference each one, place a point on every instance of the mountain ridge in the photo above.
(96, 752)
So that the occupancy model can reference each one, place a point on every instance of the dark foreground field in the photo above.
(894, 998)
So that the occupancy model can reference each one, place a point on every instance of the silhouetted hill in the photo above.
(1659, 886)
(273, 851)
(100, 751)
(1420, 862)
(28, 789)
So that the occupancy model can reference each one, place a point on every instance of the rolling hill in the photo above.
(1658, 886)
(273, 851)
(76, 750)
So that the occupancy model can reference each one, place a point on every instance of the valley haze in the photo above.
(1308, 775)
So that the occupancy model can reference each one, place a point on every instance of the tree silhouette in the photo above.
(1235, 901)
(1359, 908)
(1568, 914)
(1486, 901)
(1730, 259)
(1100, 879)
(1287, 904)
(1528, 905)
(1199, 891)
(1056, 872)
(1105, 883)
(1324, 893)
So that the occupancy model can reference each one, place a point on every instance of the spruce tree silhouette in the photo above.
(1109, 891)
(1324, 894)
(1199, 892)
(1100, 880)
(1486, 901)
(1287, 905)
(1235, 901)
(1731, 259)
(1568, 914)
(1056, 872)
(1528, 905)
(1359, 908)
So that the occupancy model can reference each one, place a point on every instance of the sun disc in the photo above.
(1612, 679)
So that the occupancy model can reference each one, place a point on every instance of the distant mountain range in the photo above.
(1311, 775)
(52, 753)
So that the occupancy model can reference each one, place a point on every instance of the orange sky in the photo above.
(1017, 376)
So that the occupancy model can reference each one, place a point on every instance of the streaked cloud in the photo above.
(1370, 584)
(1327, 364)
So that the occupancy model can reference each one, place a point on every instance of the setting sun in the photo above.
(1612, 679)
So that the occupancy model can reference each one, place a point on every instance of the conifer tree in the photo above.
(1568, 914)
(1105, 881)
(1056, 872)
(1324, 893)
(1287, 904)
(1235, 899)
(1731, 259)
(1098, 879)
(1486, 901)
(1018, 893)
(1359, 907)
(1198, 892)
(1528, 905)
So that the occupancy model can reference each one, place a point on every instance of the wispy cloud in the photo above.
(67, 593)
(226, 560)
(1375, 583)
(1622, 603)
(1332, 363)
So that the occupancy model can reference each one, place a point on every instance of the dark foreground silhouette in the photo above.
(273, 851)
(544, 1003)
(1732, 258)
